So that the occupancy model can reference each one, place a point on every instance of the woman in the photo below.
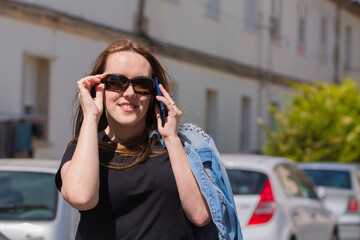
(131, 176)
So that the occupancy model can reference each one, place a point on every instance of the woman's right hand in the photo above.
(80, 175)
(91, 106)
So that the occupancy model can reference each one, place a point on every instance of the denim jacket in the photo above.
(210, 174)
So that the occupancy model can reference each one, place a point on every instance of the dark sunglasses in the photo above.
(119, 83)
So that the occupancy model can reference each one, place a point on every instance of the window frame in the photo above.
(213, 9)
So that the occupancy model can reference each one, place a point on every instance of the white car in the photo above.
(2, 237)
(30, 206)
(276, 201)
(339, 186)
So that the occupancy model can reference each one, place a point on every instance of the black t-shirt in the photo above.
(141, 202)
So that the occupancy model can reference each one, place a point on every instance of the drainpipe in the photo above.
(337, 43)
(140, 20)
(340, 4)
(261, 87)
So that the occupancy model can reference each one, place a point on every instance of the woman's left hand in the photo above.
(172, 120)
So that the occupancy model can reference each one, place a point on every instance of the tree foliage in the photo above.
(321, 122)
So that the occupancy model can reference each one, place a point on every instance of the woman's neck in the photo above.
(122, 134)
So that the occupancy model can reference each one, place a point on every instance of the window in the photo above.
(213, 9)
(250, 15)
(288, 180)
(27, 196)
(245, 117)
(301, 28)
(36, 90)
(307, 189)
(330, 178)
(276, 8)
(324, 40)
(211, 113)
(348, 47)
(295, 182)
(244, 182)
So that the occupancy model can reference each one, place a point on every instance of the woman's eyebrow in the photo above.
(137, 77)
(141, 76)
(119, 74)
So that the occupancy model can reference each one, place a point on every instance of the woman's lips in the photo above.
(127, 107)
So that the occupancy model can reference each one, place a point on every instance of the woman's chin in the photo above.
(128, 121)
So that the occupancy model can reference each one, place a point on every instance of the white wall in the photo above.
(284, 56)
(115, 13)
(71, 58)
(193, 82)
(186, 25)
(354, 23)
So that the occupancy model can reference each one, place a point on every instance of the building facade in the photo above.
(230, 59)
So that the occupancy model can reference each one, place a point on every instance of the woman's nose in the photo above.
(129, 92)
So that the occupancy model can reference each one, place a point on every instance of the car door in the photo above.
(322, 223)
(296, 205)
(356, 183)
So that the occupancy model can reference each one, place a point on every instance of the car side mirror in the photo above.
(320, 192)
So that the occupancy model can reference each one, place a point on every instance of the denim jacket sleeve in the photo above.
(210, 174)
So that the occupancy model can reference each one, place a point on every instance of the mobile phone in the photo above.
(161, 105)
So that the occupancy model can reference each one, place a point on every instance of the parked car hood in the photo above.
(26, 230)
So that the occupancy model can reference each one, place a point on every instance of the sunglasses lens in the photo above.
(119, 83)
(116, 83)
(143, 86)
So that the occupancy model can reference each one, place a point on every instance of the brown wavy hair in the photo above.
(141, 148)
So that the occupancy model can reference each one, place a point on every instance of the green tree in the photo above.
(321, 122)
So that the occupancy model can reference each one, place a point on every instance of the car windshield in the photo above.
(246, 182)
(330, 178)
(27, 196)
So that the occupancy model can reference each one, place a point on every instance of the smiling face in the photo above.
(127, 110)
